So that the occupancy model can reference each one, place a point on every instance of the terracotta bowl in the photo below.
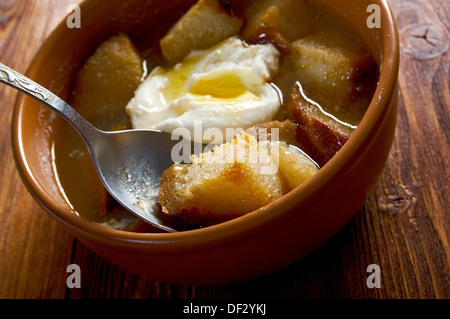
(250, 246)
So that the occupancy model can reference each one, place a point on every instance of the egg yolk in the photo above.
(228, 86)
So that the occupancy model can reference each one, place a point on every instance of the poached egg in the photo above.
(224, 87)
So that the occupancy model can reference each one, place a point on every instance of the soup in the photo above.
(324, 80)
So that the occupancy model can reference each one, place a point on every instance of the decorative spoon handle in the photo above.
(38, 92)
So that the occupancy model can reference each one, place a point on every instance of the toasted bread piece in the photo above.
(231, 180)
(275, 21)
(294, 166)
(286, 131)
(319, 134)
(106, 83)
(266, 29)
(102, 89)
(333, 71)
(207, 23)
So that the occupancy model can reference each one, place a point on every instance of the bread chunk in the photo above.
(106, 83)
(207, 23)
(275, 21)
(233, 179)
(319, 134)
(333, 71)
(285, 131)
(266, 29)
(294, 164)
(102, 89)
(221, 184)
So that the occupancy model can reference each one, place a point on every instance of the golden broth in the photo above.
(77, 176)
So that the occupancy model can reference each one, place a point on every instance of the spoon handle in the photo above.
(38, 92)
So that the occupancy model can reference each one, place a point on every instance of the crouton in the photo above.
(275, 21)
(102, 89)
(232, 180)
(294, 166)
(221, 184)
(319, 134)
(332, 71)
(286, 131)
(207, 23)
(266, 29)
(106, 83)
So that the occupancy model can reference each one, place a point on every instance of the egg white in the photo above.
(224, 87)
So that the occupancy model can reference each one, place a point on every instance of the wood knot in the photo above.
(424, 41)
(6, 13)
(398, 202)
(423, 28)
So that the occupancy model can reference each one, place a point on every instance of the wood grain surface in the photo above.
(403, 227)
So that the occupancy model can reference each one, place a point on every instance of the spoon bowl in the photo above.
(129, 163)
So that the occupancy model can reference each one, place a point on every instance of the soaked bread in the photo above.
(231, 180)
(208, 21)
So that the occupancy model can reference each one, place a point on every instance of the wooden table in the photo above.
(403, 227)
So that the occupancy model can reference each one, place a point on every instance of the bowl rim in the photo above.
(239, 228)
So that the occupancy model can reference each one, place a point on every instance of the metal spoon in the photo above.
(129, 163)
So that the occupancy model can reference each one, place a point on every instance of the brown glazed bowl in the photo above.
(250, 246)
